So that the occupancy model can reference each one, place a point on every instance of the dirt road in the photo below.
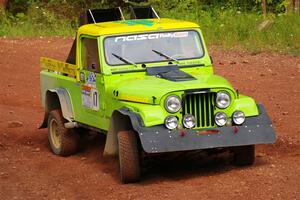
(28, 170)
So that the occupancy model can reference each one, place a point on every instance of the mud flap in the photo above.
(121, 120)
(255, 130)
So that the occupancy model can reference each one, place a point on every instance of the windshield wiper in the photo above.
(165, 56)
(124, 60)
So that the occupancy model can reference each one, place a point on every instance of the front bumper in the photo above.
(255, 130)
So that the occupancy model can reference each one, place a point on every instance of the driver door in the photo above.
(91, 83)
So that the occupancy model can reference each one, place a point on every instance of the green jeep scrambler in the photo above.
(148, 84)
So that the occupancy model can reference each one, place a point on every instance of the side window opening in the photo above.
(90, 55)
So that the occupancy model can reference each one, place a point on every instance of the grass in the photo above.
(37, 24)
(231, 29)
(225, 28)
(28, 29)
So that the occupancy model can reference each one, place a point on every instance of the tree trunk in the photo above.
(293, 6)
(3, 4)
(297, 6)
(264, 7)
(290, 6)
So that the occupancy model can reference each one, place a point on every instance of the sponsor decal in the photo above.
(144, 22)
(86, 96)
(91, 79)
(90, 97)
(89, 92)
(58, 66)
(151, 36)
(134, 98)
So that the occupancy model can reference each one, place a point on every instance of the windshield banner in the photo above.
(152, 36)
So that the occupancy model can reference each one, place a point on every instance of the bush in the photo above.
(228, 23)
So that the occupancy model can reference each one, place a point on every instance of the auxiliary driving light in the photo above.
(238, 117)
(171, 122)
(188, 121)
(221, 119)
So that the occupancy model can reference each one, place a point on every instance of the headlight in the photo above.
(173, 104)
(223, 99)
(188, 121)
(221, 119)
(171, 122)
(238, 117)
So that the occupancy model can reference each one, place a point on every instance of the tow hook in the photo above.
(183, 133)
(235, 129)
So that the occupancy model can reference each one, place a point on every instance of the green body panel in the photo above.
(81, 114)
(138, 91)
(146, 87)
(50, 80)
(245, 104)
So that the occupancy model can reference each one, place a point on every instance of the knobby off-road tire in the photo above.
(244, 155)
(128, 157)
(63, 142)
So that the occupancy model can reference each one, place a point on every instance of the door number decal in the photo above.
(95, 99)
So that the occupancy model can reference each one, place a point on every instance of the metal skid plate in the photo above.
(255, 130)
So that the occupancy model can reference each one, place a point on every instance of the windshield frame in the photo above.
(153, 32)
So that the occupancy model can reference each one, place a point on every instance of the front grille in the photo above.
(201, 105)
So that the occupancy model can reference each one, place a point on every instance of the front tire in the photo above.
(63, 142)
(128, 157)
(244, 155)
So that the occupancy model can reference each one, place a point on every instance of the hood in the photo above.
(150, 89)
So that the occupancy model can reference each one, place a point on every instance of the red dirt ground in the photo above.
(28, 170)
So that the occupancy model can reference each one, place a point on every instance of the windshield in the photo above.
(153, 47)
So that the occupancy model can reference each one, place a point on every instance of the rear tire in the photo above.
(63, 142)
(128, 157)
(244, 155)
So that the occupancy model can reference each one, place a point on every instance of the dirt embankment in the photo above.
(28, 170)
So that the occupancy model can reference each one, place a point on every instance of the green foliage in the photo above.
(233, 28)
(36, 22)
(275, 6)
(230, 24)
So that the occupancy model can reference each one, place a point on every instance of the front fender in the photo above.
(245, 104)
(58, 98)
(150, 114)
